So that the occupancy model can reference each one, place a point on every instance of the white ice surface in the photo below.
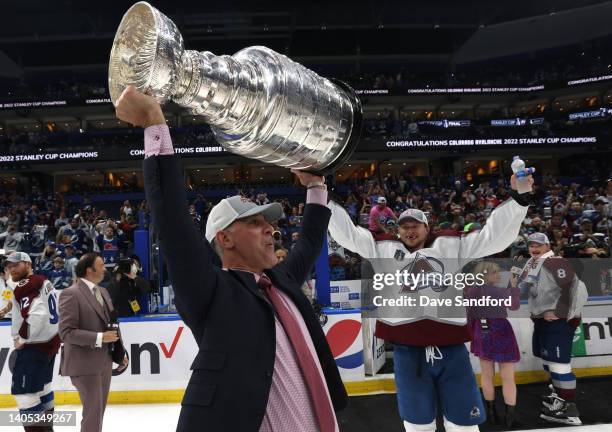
(163, 418)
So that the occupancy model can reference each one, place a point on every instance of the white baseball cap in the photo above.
(382, 200)
(238, 207)
(17, 257)
(415, 214)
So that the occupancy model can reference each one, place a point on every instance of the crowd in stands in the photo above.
(577, 218)
(56, 232)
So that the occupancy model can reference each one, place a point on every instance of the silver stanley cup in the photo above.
(259, 103)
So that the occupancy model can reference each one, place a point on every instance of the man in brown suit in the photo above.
(85, 311)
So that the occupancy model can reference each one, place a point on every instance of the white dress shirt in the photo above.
(91, 286)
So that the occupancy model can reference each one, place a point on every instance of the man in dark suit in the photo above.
(263, 362)
(85, 309)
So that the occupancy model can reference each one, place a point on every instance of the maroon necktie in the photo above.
(314, 382)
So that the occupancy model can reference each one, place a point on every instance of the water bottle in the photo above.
(518, 168)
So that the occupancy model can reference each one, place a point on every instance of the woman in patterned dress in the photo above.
(493, 339)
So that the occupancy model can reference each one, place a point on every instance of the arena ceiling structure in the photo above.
(39, 34)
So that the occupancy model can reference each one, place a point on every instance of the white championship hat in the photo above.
(237, 207)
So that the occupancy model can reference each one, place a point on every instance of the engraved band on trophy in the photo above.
(259, 104)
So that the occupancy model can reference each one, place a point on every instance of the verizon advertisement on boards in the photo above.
(161, 352)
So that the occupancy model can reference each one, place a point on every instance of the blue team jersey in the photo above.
(109, 249)
(60, 278)
(77, 239)
(43, 266)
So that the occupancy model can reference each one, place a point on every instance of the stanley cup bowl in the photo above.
(259, 103)
(146, 53)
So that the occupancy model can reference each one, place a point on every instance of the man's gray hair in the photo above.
(217, 248)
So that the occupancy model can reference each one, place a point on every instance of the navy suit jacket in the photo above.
(232, 322)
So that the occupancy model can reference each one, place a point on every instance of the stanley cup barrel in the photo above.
(259, 104)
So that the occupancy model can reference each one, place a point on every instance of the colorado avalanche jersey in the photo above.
(35, 314)
(447, 253)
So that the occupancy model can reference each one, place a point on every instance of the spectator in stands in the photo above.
(38, 235)
(68, 228)
(61, 246)
(295, 236)
(78, 237)
(110, 246)
(574, 214)
(295, 220)
(128, 225)
(352, 207)
(200, 204)
(127, 209)
(31, 216)
(43, 264)
(70, 259)
(102, 221)
(61, 220)
(391, 227)
(364, 212)
(374, 192)
(589, 198)
(281, 254)
(592, 244)
(58, 275)
(262, 199)
(379, 215)
(536, 225)
(13, 239)
(457, 219)
(3, 219)
(14, 218)
(558, 241)
(601, 216)
(400, 205)
(557, 222)
(353, 268)
(337, 269)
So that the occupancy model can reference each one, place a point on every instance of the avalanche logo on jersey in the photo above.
(344, 340)
(110, 246)
(426, 271)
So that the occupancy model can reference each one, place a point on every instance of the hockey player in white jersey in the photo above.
(35, 334)
(556, 298)
(430, 359)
